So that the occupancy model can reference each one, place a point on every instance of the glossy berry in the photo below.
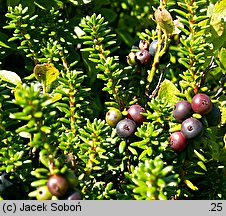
(43, 193)
(57, 185)
(191, 128)
(71, 178)
(143, 57)
(125, 128)
(153, 47)
(76, 195)
(143, 45)
(201, 104)
(152, 50)
(214, 116)
(136, 45)
(113, 116)
(177, 141)
(134, 113)
(182, 110)
(131, 59)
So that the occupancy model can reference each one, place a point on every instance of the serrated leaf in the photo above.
(168, 91)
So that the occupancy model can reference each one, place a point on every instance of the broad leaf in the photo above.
(10, 77)
(165, 20)
(46, 73)
(219, 17)
(168, 92)
(222, 57)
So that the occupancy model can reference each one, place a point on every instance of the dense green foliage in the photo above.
(63, 65)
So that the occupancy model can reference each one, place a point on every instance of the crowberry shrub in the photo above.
(104, 100)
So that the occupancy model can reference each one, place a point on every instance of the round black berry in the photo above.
(57, 185)
(135, 45)
(71, 178)
(152, 50)
(201, 104)
(143, 57)
(113, 116)
(177, 141)
(214, 116)
(191, 128)
(182, 110)
(76, 195)
(153, 47)
(125, 128)
(134, 113)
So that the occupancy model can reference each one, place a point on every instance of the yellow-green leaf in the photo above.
(46, 73)
(10, 77)
(217, 16)
(165, 20)
(168, 91)
(190, 185)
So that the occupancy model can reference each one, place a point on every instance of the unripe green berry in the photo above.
(131, 59)
(113, 116)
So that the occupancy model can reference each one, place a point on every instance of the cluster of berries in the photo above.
(192, 127)
(59, 186)
(126, 127)
(142, 52)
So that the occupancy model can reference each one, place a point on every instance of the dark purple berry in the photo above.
(57, 185)
(134, 113)
(143, 57)
(153, 47)
(135, 46)
(152, 50)
(191, 128)
(76, 195)
(201, 104)
(144, 45)
(182, 110)
(177, 141)
(214, 116)
(125, 128)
